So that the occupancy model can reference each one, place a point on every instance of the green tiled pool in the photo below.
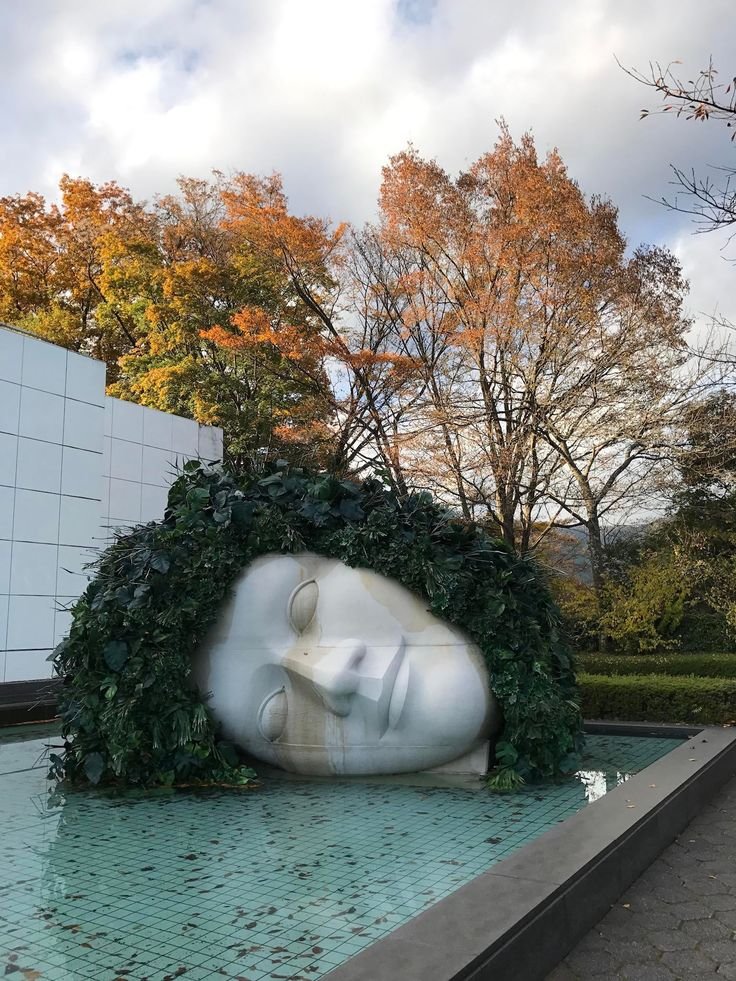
(284, 882)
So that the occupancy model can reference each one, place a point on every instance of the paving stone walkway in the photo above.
(679, 919)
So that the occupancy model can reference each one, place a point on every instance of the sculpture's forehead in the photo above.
(372, 600)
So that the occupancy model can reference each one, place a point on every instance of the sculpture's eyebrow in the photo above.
(302, 605)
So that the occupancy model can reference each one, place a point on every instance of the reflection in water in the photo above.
(597, 783)
(282, 882)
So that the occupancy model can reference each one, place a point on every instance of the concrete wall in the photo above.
(73, 464)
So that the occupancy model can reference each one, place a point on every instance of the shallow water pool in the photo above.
(283, 882)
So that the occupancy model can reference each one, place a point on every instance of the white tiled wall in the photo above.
(73, 464)
(142, 450)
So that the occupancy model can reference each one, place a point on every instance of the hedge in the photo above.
(658, 698)
(703, 665)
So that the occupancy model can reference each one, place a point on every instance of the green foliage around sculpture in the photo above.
(130, 713)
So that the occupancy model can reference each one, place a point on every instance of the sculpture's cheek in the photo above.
(249, 697)
(448, 698)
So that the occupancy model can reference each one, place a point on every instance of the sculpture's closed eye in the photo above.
(272, 715)
(302, 605)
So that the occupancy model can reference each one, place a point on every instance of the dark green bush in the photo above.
(658, 698)
(705, 631)
(644, 610)
(703, 665)
(579, 609)
(130, 714)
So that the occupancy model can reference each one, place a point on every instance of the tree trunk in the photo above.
(597, 565)
(505, 514)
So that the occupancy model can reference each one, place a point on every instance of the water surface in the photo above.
(283, 882)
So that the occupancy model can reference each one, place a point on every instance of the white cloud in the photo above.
(325, 90)
(708, 263)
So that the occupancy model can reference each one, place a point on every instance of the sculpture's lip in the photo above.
(396, 689)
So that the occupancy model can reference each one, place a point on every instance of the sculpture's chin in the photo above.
(321, 761)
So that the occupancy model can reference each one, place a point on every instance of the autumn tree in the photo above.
(489, 337)
(61, 266)
(213, 308)
(495, 342)
(472, 251)
(540, 342)
(614, 413)
(319, 262)
(168, 294)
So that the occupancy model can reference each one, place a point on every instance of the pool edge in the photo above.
(23, 702)
(519, 919)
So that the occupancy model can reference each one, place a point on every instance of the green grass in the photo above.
(658, 698)
(702, 665)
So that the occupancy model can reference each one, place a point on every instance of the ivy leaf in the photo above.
(140, 597)
(506, 754)
(115, 654)
(198, 497)
(243, 513)
(94, 767)
(228, 753)
(351, 510)
(160, 562)
(315, 511)
(59, 649)
(325, 489)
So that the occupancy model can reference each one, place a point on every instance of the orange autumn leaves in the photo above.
(312, 257)
(64, 266)
(509, 233)
(255, 327)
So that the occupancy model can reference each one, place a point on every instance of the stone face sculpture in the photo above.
(322, 669)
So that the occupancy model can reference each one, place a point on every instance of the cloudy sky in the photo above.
(324, 90)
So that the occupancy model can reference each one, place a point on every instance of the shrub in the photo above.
(644, 611)
(580, 610)
(129, 711)
(705, 630)
(703, 665)
(658, 698)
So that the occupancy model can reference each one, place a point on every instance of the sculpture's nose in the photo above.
(348, 674)
(335, 675)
